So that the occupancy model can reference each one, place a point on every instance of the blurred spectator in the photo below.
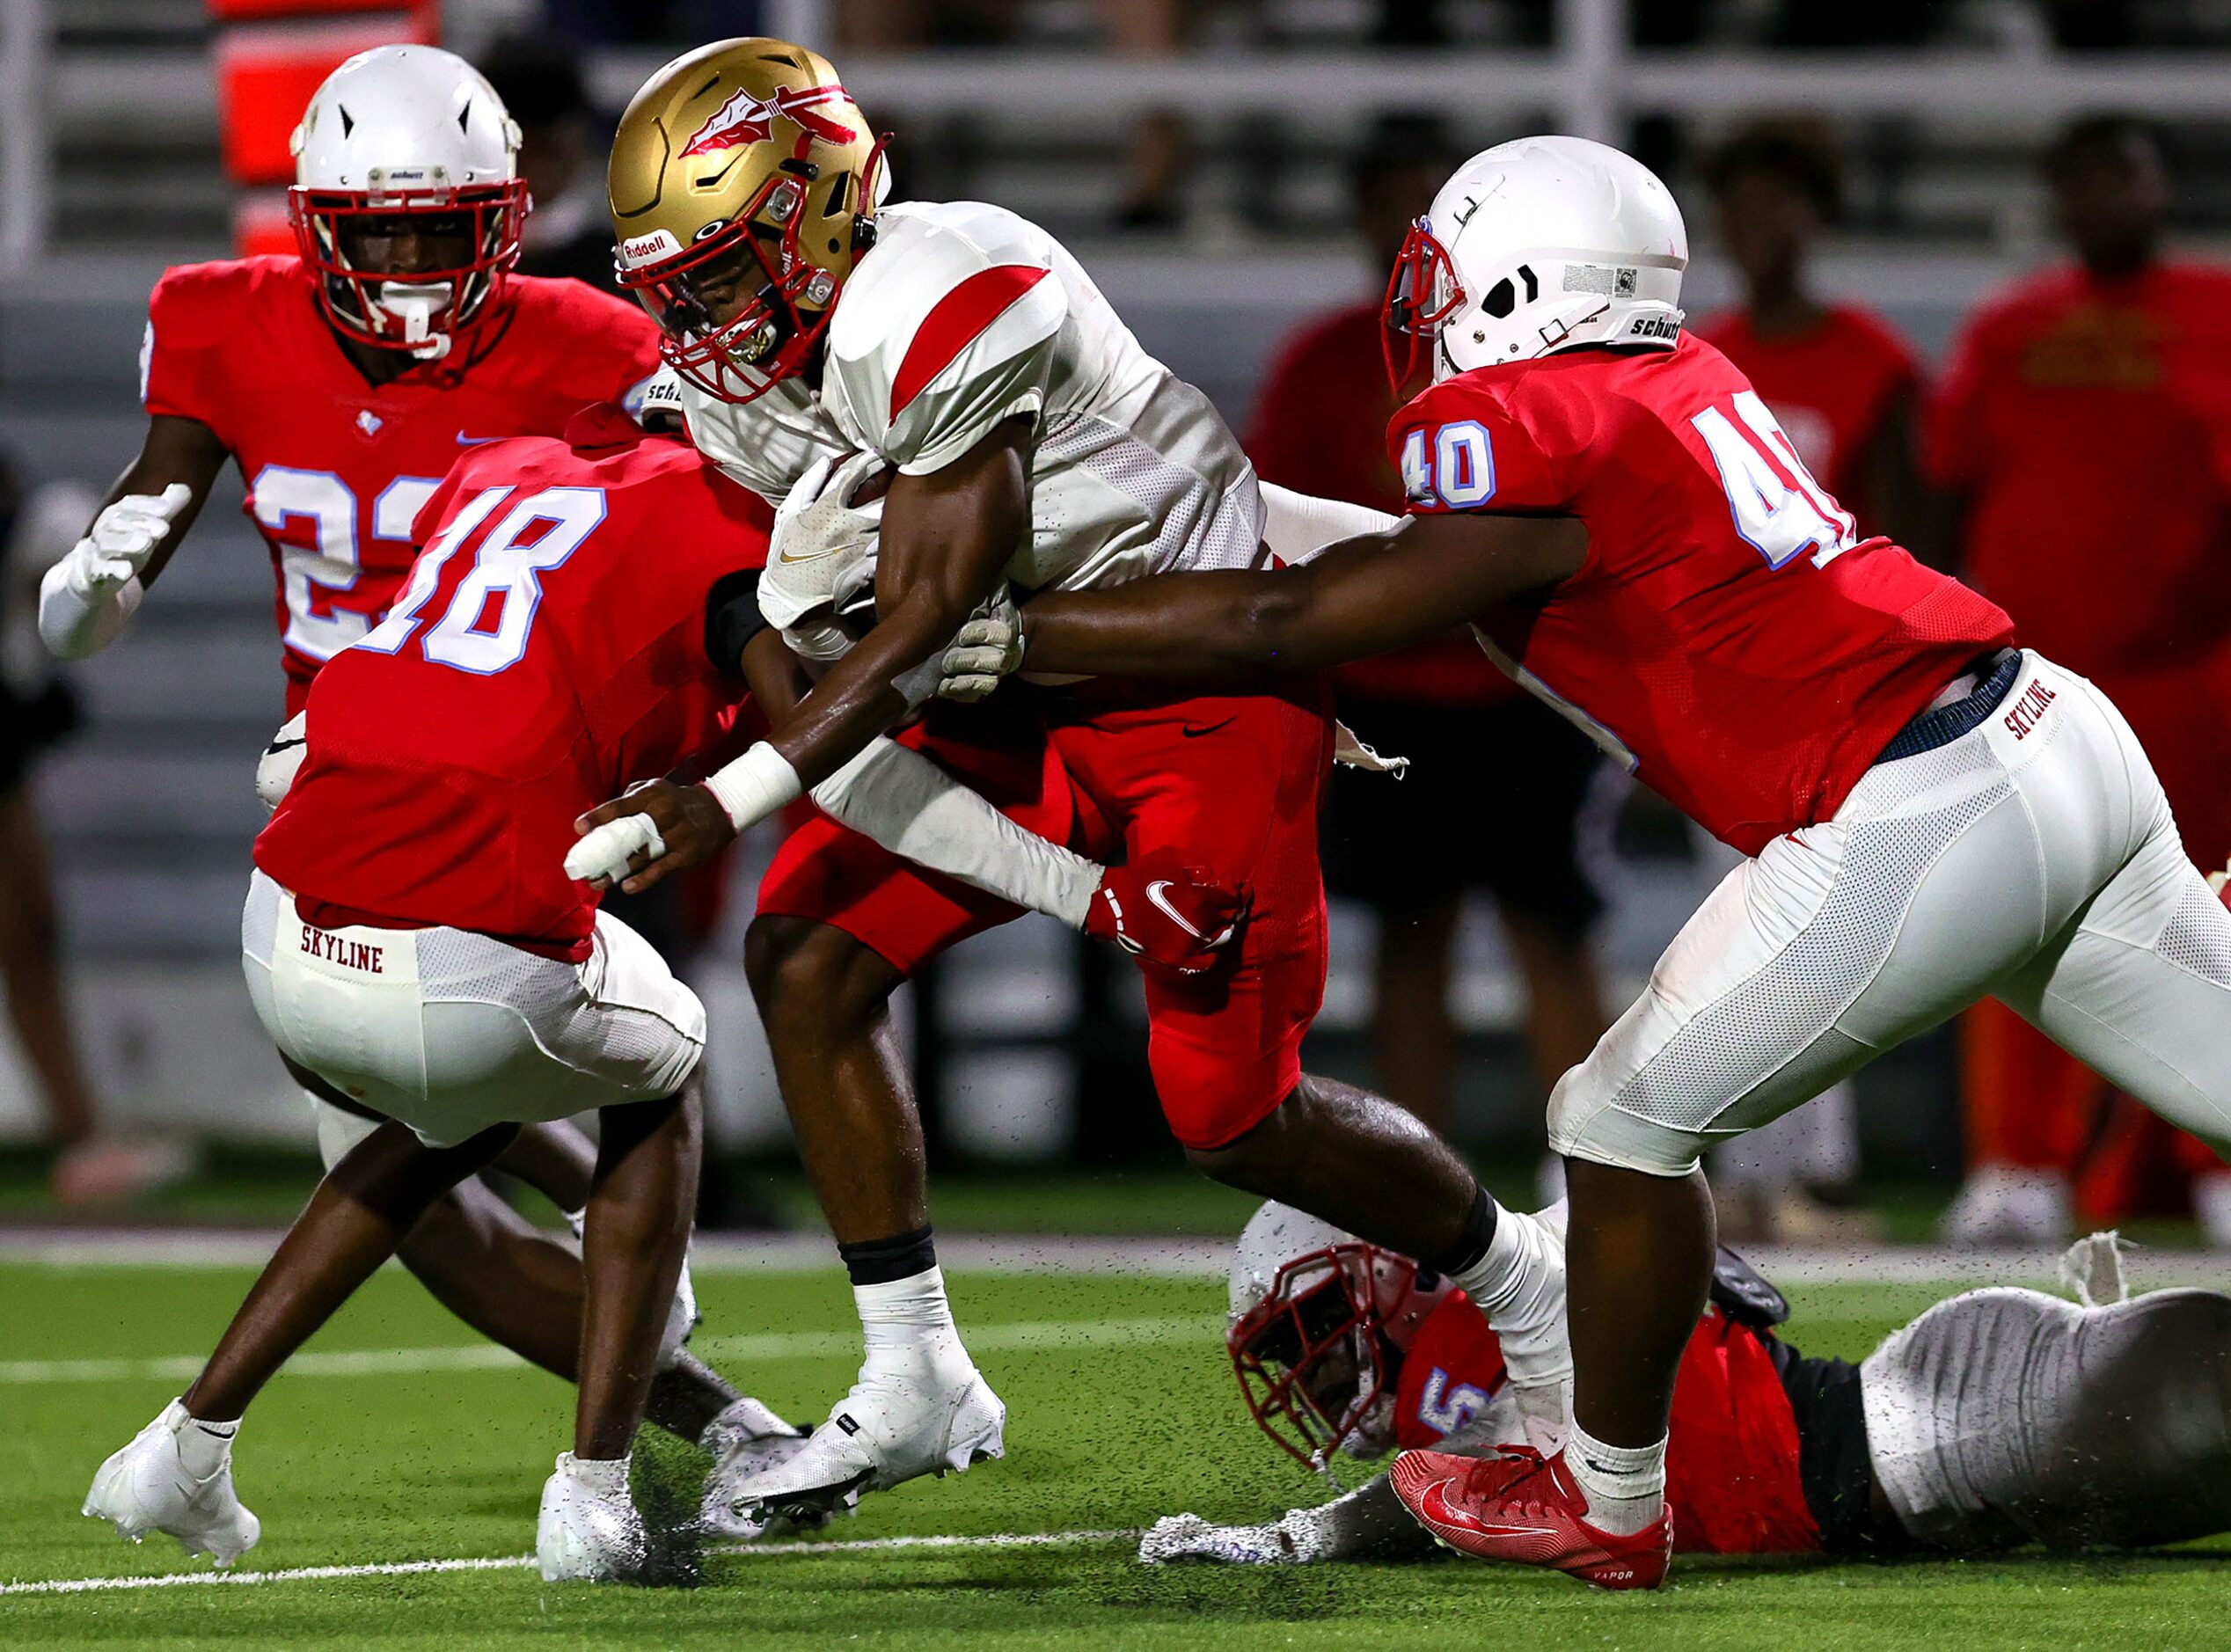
(561, 155)
(1154, 169)
(37, 711)
(1837, 375)
(1498, 778)
(2085, 423)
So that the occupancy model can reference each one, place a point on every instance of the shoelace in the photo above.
(1491, 1479)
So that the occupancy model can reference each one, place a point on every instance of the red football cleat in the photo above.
(1521, 1507)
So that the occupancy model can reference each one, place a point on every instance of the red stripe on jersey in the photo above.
(954, 323)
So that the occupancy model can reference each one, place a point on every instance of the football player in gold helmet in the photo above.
(955, 357)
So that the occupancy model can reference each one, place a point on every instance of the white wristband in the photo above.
(754, 785)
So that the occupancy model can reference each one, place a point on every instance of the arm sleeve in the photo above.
(732, 619)
(1297, 526)
(914, 808)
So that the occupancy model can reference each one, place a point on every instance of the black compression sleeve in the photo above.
(732, 619)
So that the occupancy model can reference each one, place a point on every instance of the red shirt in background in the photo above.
(1831, 388)
(1320, 427)
(2089, 424)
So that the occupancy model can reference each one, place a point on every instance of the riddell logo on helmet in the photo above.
(747, 118)
(642, 249)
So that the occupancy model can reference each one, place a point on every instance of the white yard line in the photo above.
(1206, 1257)
(757, 1349)
(1201, 1258)
(524, 1562)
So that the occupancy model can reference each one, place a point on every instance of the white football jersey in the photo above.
(964, 315)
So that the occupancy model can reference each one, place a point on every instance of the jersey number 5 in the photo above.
(484, 628)
(1778, 508)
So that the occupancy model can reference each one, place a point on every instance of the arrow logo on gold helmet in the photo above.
(748, 118)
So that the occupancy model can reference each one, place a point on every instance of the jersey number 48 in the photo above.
(484, 625)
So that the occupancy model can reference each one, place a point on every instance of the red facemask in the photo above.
(496, 214)
(1321, 1351)
(1422, 293)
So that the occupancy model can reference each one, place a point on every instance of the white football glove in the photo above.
(1296, 1540)
(820, 544)
(85, 597)
(282, 760)
(125, 535)
(985, 651)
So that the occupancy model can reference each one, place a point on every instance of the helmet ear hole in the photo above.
(1500, 299)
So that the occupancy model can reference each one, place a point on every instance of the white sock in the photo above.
(203, 1447)
(1519, 1285)
(907, 1323)
(1625, 1484)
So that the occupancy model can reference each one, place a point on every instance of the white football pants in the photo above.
(2033, 858)
(452, 1032)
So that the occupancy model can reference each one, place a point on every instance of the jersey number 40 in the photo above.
(1779, 508)
(484, 626)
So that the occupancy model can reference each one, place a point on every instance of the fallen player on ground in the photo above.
(1999, 1417)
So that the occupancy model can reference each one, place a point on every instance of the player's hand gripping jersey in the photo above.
(1732, 638)
(963, 316)
(336, 468)
(554, 647)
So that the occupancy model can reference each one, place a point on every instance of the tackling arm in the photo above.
(1361, 597)
(86, 597)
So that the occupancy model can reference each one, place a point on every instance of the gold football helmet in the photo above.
(744, 187)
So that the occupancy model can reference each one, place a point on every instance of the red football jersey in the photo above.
(1731, 1478)
(337, 469)
(1732, 638)
(549, 651)
(1831, 388)
(1318, 421)
(2090, 424)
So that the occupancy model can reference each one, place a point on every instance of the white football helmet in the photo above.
(399, 133)
(1539, 244)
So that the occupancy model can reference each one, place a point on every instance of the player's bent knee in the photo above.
(1257, 1160)
(1603, 1135)
(807, 977)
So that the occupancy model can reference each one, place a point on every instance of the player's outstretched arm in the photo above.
(1361, 597)
(86, 597)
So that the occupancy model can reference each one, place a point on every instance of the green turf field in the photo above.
(1121, 1408)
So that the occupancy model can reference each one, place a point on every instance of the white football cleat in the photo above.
(146, 1488)
(893, 1427)
(2004, 1205)
(747, 1440)
(589, 1530)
